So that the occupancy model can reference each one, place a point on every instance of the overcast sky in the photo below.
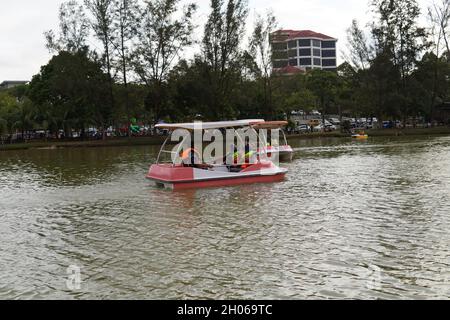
(23, 22)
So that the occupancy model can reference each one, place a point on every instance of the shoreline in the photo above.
(158, 140)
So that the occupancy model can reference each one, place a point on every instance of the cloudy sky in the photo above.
(23, 22)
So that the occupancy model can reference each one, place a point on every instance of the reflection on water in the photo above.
(354, 219)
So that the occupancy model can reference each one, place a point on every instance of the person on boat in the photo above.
(248, 154)
(190, 157)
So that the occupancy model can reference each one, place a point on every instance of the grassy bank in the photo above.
(158, 140)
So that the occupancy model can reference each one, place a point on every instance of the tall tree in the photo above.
(162, 38)
(73, 29)
(439, 14)
(222, 38)
(126, 19)
(432, 83)
(261, 50)
(383, 92)
(358, 46)
(397, 33)
(102, 24)
(398, 30)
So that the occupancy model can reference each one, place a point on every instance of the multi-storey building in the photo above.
(11, 84)
(296, 51)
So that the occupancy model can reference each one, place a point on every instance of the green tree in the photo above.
(162, 38)
(73, 29)
(431, 83)
(8, 111)
(24, 119)
(222, 52)
(261, 50)
(102, 23)
(125, 21)
(359, 49)
(71, 91)
(439, 15)
(383, 91)
(324, 85)
(398, 35)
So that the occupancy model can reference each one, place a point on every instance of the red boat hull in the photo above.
(179, 178)
(223, 182)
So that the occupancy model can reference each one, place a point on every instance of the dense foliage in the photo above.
(395, 69)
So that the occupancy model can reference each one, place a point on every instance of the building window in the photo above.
(292, 53)
(292, 44)
(316, 52)
(328, 53)
(329, 62)
(305, 52)
(304, 43)
(317, 62)
(279, 46)
(305, 61)
(293, 62)
(317, 43)
(329, 44)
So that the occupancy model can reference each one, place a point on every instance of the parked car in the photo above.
(388, 125)
(318, 128)
(334, 121)
(303, 128)
(326, 128)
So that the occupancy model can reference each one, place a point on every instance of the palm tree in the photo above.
(24, 117)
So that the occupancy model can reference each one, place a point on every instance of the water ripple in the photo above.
(353, 220)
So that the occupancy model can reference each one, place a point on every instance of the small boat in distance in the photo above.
(360, 136)
(178, 174)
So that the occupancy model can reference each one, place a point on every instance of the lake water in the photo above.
(366, 220)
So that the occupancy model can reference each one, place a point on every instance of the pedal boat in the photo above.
(284, 152)
(360, 136)
(178, 176)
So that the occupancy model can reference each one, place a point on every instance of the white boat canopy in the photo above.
(209, 125)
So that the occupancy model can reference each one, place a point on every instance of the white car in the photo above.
(334, 121)
(327, 127)
(318, 128)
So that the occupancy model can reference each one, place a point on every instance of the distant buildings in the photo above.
(11, 84)
(298, 51)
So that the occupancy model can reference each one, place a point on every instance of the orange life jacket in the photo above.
(186, 154)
